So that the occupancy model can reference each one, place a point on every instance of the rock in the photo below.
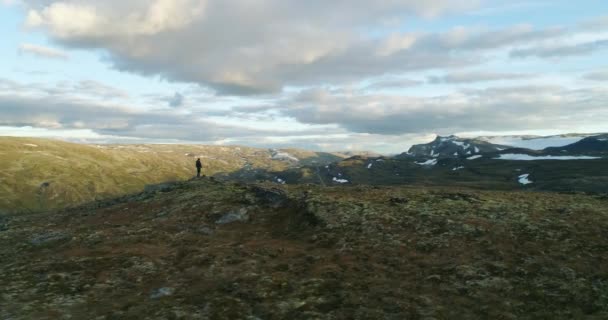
(434, 277)
(205, 231)
(3, 223)
(398, 200)
(161, 292)
(234, 216)
(162, 214)
(162, 187)
(49, 238)
(273, 197)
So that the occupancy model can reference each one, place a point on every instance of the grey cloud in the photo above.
(511, 108)
(597, 76)
(470, 39)
(114, 120)
(471, 77)
(176, 101)
(561, 51)
(393, 84)
(253, 108)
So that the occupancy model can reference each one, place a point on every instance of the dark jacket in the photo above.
(198, 164)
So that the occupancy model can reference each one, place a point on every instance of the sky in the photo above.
(321, 75)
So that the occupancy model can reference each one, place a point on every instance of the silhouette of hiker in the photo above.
(198, 167)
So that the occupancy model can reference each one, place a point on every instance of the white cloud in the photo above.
(470, 77)
(493, 109)
(243, 46)
(556, 51)
(42, 51)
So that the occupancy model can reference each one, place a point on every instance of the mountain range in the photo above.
(42, 174)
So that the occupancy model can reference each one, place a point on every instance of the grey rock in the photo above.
(272, 197)
(51, 237)
(162, 187)
(205, 231)
(234, 216)
(161, 292)
(3, 223)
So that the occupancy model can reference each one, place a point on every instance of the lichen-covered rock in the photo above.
(49, 238)
(240, 215)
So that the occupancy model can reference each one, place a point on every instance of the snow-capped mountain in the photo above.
(453, 147)
(595, 145)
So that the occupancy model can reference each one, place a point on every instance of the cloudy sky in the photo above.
(324, 75)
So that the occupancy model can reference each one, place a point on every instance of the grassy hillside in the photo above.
(208, 250)
(40, 174)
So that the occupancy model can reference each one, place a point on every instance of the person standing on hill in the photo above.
(198, 167)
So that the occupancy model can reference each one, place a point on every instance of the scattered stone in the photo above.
(205, 231)
(3, 223)
(240, 215)
(162, 214)
(434, 277)
(398, 200)
(161, 292)
(48, 238)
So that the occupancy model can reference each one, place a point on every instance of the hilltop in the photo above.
(211, 250)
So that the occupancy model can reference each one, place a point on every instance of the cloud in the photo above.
(561, 51)
(65, 107)
(94, 88)
(393, 83)
(176, 101)
(42, 51)
(275, 43)
(502, 109)
(597, 76)
(471, 77)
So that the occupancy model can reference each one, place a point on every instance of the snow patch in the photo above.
(475, 157)
(281, 181)
(431, 162)
(524, 179)
(369, 166)
(280, 155)
(457, 168)
(536, 143)
(525, 157)
(30, 145)
(458, 143)
(339, 180)
(476, 150)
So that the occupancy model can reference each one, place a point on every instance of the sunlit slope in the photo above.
(41, 174)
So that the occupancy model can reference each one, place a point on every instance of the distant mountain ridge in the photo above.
(452, 147)
(455, 147)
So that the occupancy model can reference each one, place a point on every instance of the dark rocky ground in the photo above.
(209, 250)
